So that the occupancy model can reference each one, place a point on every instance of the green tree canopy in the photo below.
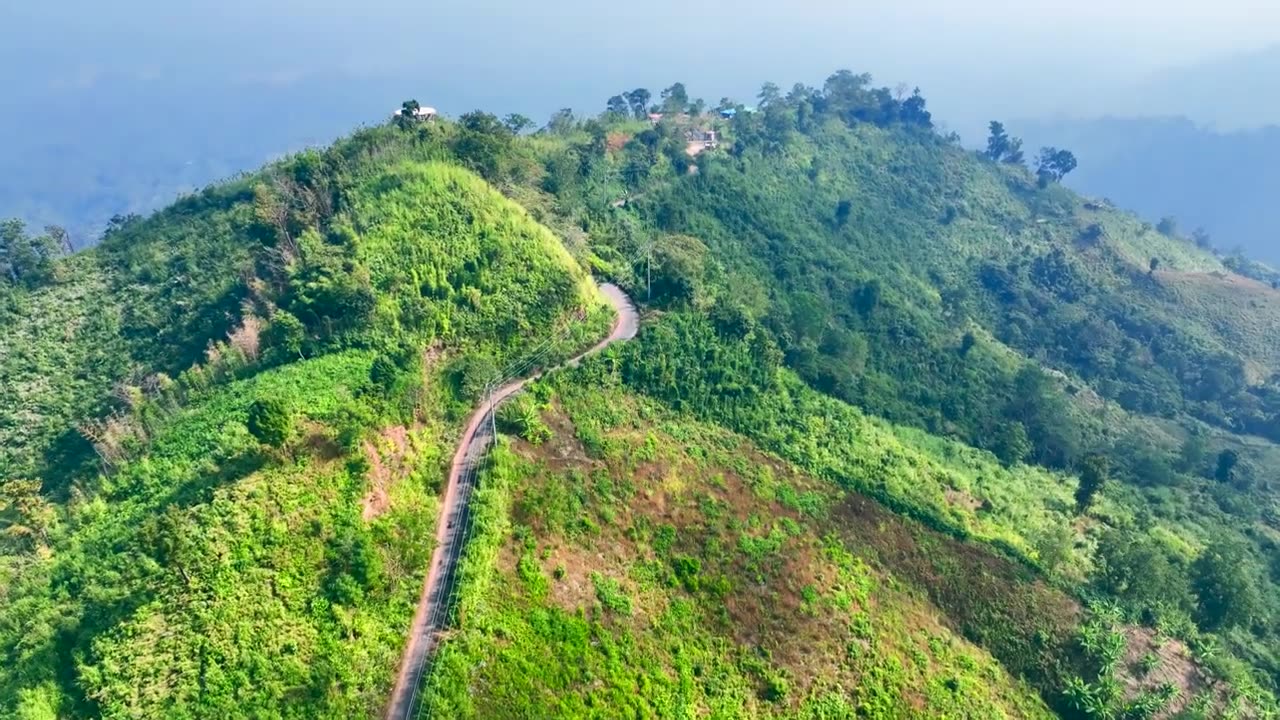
(1093, 476)
(639, 101)
(1226, 586)
(675, 99)
(1054, 164)
(270, 421)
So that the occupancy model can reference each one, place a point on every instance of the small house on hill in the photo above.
(419, 113)
(709, 138)
(699, 139)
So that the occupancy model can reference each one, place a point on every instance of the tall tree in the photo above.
(675, 99)
(1014, 155)
(997, 141)
(1226, 468)
(1053, 164)
(1093, 476)
(846, 93)
(800, 93)
(618, 106)
(517, 123)
(914, 112)
(639, 101)
(561, 122)
(770, 93)
(1201, 238)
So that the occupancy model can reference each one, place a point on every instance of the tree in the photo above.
(561, 122)
(1168, 226)
(25, 259)
(914, 112)
(60, 238)
(678, 270)
(286, 333)
(1227, 461)
(408, 114)
(1014, 155)
(675, 99)
(639, 101)
(1131, 567)
(1053, 164)
(618, 106)
(1093, 476)
(1092, 234)
(270, 421)
(517, 123)
(1201, 238)
(482, 143)
(1013, 445)
(1153, 266)
(770, 93)
(845, 92)
(1225, 583)
(997, 141)
(1195, 449)
(1001, 147)
(844, 209)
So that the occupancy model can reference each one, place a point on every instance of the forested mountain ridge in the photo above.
(827, 278)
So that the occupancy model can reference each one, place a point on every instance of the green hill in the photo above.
(194, 570)
(904, 432)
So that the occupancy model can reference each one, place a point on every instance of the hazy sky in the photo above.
(973, 59)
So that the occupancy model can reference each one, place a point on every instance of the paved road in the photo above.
(455, 513)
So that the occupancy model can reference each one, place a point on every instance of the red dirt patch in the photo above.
(617, 140)
(387, 463)
(1175, 667)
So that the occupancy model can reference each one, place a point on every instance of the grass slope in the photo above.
(642, 565)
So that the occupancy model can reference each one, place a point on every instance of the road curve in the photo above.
(455, 512)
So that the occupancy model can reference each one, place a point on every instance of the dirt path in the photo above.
(455, 512)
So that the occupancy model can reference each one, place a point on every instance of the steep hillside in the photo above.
(630, 560)
(252, 538)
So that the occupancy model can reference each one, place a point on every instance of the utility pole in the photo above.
(493, 417)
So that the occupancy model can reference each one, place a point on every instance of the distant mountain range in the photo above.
(1230, 93)
(1226, 182)
(134, 144)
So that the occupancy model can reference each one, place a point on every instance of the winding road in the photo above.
(455, 511)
